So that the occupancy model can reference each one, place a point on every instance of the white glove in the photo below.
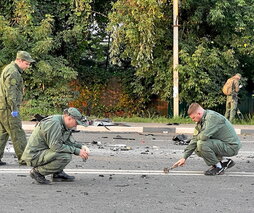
(85, 148)
(240, 86)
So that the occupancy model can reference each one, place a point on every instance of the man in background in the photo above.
(232, 87)
(11, 95)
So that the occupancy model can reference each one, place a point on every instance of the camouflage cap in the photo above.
(23, 55)
(73, 112)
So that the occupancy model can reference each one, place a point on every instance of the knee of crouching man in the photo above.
(65, 158)
(202, 146)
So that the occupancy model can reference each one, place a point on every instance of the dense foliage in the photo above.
(27, 25)
(215, 43)
(81, 45)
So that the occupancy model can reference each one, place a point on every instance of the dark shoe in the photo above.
(38, 177)
(214, 171)
(2, 163)
(22, 163)
(62, 176)
(228, 164)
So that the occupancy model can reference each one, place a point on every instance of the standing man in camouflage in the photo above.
(232, 97)
(11, 94)
(214, 138)
(51, 145)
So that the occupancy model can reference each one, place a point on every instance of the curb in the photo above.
(165, 130)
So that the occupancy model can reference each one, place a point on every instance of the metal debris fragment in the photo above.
(166, 169)
(120, 147)
(144, 153)
(181, 139)
(121, 138)
(21, 175)
(122, 185)
(96, 142)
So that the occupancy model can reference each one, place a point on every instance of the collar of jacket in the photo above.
(203, 118)
(18, 68)
(65, 127)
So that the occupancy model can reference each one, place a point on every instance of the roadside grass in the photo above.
(179, 120)
(245, 120)
(28, 113)
(157, 119)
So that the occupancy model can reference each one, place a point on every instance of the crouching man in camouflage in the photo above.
(214, 138)
(51, 145)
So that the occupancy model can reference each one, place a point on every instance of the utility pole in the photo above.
(175, 59)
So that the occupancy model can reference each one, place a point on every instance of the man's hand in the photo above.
(181, 162)
(14, 113)
(85, 148)
(83, 154)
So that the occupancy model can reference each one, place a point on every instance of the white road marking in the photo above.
(131, 172)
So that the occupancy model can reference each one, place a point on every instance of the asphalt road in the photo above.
(125, 174)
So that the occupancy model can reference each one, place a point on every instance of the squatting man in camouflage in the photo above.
(11, 94)
(214, 138)
(51, 145)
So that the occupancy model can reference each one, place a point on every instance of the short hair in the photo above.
(239, 75)
(193, 108)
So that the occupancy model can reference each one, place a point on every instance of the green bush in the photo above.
(32, 107)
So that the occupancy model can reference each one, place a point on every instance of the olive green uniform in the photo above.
(231, 104)
(50, 146)
(214, 137)
(11, 94)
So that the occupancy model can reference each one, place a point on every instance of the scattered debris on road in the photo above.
(120, 147)
(121, 138)
(181, 139)
(122, 185)
(103, 122)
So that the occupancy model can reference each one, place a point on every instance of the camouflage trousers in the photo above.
(231, 107)
(11, 126)
(213, 150)
(49, 162)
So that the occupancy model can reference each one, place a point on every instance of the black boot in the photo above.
(38, 177)
(2, 163)
(22, 163)
(62, 176)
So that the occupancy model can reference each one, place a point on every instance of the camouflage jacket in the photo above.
(235, 86)
(51, 133)
(11, 87)
(212, 126)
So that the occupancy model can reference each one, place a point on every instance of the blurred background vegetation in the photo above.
(113, 58)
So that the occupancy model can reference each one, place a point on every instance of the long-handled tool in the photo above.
(166, 169)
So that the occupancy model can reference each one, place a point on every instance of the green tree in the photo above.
(215, 41)
(69, 42)
(52, 31)
(138, 35)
